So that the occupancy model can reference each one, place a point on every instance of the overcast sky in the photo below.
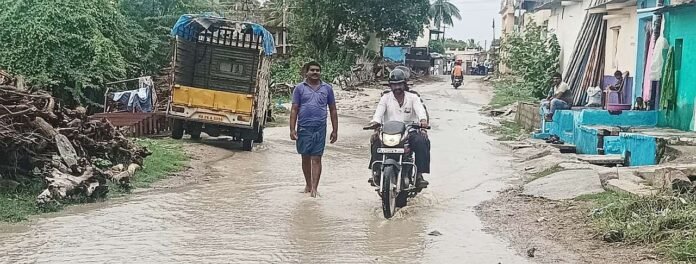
(477, 20)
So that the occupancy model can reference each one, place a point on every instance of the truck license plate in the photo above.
(210, 117)
(390, 151)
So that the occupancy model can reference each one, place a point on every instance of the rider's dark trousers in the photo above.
(419, 144)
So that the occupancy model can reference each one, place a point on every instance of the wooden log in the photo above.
(66, 150)
(44, 127)
(61, 185)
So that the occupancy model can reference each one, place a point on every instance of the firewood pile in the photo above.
(72, 155)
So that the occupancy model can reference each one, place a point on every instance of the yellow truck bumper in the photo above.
(211, 106)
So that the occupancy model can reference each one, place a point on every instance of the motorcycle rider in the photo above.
(403, 106)
(407, 88)
(458, 71)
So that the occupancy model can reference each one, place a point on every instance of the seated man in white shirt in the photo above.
(405, 107)
(559, 97)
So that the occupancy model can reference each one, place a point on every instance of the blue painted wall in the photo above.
(613, 145)
(586, 141)
(396, 54)
(572, 128)
(626, 118)
(680, 26)
(643, 149)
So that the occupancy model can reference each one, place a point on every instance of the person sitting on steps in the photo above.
(558, 97)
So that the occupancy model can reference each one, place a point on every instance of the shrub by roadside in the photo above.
(17, 203)
(508, 90)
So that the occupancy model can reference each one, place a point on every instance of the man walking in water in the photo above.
(310, 101)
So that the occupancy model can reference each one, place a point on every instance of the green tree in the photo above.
(66, 46)
(533, 55)
(436, 46)
(443, 12)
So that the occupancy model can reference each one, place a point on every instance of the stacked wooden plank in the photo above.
(586, 68)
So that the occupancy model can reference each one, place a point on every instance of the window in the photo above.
(678, 46)
(229, 67)
(615, 47)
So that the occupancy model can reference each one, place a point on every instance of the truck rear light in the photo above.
(178, 109)
(243, 118)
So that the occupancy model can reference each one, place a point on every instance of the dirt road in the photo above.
(250, 209)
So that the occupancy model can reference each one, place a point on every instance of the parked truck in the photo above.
(221, 78)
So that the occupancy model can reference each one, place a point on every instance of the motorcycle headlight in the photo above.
(391, 140)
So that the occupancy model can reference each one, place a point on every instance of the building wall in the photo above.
(680, 28)
(424, 39)
(539, 17)
(620, 53)
(566, 22)
(620, 50)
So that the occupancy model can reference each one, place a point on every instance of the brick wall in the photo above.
(528, 116)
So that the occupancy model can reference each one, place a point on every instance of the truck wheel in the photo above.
(195, 135)
(247, 144)
(177, 127)
(194, 129)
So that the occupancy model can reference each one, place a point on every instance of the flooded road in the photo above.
(252, 211)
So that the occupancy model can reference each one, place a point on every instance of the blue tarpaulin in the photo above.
(190, 25)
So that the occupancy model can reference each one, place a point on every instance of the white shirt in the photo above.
(388, 109)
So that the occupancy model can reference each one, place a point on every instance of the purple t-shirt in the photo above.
(313, 103)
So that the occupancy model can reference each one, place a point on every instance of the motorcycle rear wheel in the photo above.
(388, 192)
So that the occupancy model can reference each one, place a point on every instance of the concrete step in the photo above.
(602, 159)
(565, 148)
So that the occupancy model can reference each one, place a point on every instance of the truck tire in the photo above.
(194, 129)
(247, 144)
(177, 127)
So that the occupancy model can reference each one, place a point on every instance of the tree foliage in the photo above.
(436, 46)
(327, 26)
(73, 47)
(533, 55)
(65, 45)
(462, 44)
(443, 12)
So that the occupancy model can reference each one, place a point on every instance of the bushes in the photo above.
(532, 56)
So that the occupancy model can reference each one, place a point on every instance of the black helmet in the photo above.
(397, 76)
(406, 70)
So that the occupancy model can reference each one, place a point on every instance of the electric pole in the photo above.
(285, 31)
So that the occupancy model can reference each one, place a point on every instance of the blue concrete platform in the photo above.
(598, 132)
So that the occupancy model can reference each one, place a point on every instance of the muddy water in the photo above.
(253, 212)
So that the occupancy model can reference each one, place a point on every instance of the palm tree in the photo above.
(442, 13)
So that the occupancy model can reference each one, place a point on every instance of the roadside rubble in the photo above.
(537, 160)
(71, 154)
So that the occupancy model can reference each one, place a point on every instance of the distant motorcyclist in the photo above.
(457, 71)
(403, 106)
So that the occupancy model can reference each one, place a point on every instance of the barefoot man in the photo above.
(310, 101)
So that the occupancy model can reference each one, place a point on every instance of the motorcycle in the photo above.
(457, 82)
(395, 174)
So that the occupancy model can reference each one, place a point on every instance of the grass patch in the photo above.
(507, 91)
(167, 157)
(667, 222)
(18, 204)
(507, 131)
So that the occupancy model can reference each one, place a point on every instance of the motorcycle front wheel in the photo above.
(389, 192)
